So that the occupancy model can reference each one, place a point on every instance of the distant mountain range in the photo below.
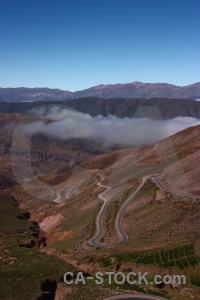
(129, 90)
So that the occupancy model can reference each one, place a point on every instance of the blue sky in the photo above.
(74, 45)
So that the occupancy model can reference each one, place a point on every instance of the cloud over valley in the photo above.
(110, 130)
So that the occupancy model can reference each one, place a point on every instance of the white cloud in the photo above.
(110, 130)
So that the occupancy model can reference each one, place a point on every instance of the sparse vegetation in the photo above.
(185, 257)
(22, 270)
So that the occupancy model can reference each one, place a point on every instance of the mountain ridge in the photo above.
(134, 89)
(120, 107)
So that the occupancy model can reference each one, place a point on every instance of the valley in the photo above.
(100, 150)
(106, 209)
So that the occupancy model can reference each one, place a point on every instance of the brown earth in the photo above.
(155, 219)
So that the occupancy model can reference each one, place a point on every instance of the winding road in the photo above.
(134, 297)
(95, 240)
(162, 187)
(99, 222)
(122, 235)
(71, 190)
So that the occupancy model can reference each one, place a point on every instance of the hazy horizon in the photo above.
(56, 88)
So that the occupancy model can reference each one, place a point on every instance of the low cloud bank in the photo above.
(110, 130)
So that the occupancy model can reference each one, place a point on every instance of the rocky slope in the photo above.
(39, 155)
(162, 227)
(166, 108)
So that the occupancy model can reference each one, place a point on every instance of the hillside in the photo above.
(167, 108)
(41, 155)
(161, 221)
